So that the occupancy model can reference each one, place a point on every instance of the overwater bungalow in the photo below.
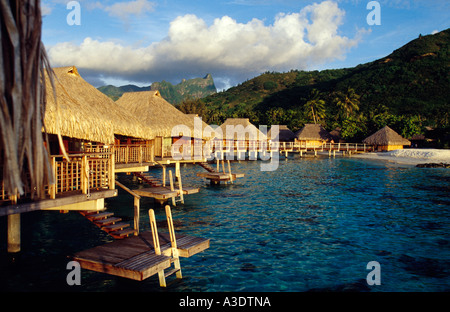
(91, 122)
(241, 135)
(386, 139)
(285, 134)
(167, 122)
(312, 136)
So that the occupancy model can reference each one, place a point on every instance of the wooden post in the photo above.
(14, 233)
(164, 176)
(218, 165)
(136, 215)
(171, 187)
(151, 213)
(173, 242)
(53, 187)
(84, 175)
(112, 172)
(229, 171)
(180, 185)
(177, 170)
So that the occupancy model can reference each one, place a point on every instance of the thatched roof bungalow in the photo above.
(285, 134)
(86, 113)
(153, 110)
(241, 129)
(313, 135)
(162, 117)
(386, 139)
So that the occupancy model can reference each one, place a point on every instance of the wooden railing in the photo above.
(135, 153)
(127, 153)
(83, 173)
(292, 146)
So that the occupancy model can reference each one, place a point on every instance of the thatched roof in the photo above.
(155, 112)
(386, 136)
(313, 132)
(247, 126)
(285, 133)
(86, 113)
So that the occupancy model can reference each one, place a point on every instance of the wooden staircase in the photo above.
(147, 178)
(108, 223)
(207, 167)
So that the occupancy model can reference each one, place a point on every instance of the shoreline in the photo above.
(411, 156)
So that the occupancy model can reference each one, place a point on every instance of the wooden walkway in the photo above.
(135, 257)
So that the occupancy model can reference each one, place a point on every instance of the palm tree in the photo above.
(347, 102)
(315, 106)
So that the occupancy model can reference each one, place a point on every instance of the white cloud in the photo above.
(124, 10)
(227, 49)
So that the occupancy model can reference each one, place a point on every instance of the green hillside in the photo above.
(188, 89)
(408, 89)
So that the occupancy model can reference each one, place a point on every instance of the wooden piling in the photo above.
(14, 233)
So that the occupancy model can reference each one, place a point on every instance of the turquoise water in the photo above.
(311, 225)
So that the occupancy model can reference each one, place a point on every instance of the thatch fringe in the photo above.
(22, 99)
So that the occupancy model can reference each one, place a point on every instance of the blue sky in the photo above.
(143, 41)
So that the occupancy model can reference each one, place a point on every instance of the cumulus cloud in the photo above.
(229, 50)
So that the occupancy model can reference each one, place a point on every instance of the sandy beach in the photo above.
(411, 156)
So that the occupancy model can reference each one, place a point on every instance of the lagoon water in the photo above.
(311, 225)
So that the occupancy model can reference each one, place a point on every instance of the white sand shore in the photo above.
(411, 156)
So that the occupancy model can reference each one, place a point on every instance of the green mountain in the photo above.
(116, 92)
(193, 89)
(413, 81)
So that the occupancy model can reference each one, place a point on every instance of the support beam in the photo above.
(14, 233)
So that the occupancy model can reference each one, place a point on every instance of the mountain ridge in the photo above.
(195, 88)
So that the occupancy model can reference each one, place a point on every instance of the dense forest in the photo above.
(407, 90)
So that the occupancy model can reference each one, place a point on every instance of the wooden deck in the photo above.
(135, 257)
(218, 177)
(164, 193)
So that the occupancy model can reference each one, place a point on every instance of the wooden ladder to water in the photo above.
(109, 224)
(175, 258)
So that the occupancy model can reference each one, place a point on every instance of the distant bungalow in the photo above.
(386, 139)
(312, 135)
(250, 133)
(284, 135)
